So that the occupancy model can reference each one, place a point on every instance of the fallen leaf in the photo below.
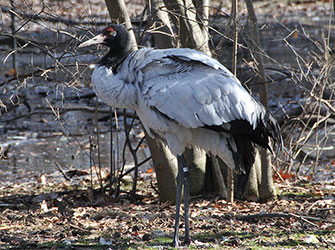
(149, 171)
(295, 34)
(12, 72)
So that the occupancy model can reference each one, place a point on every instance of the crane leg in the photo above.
(182, 180)
(187, 239)
(178, 201)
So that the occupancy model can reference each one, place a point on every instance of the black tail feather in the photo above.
(244, 159)
(246, 137)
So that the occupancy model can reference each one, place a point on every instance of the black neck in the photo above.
(113, 59)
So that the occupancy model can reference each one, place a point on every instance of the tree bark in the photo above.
(183, 16)
(165, 165)
(223, 192)
(267, 189)
(164, 162)
(202, 15)
(163, 33)
(196, 161)
(254, 181)
(118, 14)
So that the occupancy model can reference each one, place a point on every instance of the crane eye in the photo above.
(113, 33)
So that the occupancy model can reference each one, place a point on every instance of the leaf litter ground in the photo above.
(68, 215)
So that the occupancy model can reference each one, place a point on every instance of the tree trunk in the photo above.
(202, 15)
(165, 163)
(254, 181)
(267, 189)
(196, 161)
(118, 14)
(163, 33)
(184, 17)
(223, 192)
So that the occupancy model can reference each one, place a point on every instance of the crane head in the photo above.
(114, 36)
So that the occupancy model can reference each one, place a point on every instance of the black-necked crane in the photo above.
(184, 98)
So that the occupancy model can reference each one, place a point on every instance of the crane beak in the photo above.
(95, 40)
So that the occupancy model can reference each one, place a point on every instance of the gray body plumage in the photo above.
(180, 95)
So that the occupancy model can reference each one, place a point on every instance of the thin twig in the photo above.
(61, 170)
(133, 168)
